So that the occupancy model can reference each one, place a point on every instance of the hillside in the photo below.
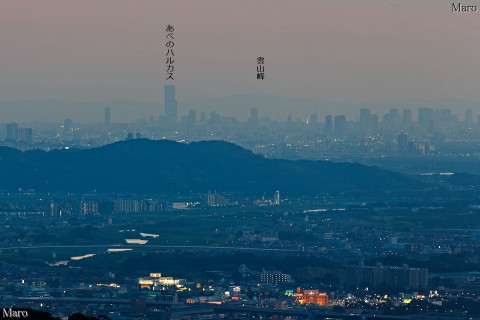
(166, 166)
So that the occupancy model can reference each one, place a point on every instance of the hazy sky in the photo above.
(341, 50)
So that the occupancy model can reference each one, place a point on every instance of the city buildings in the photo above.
(276, 198)
(170, 104)
(275, 277)
(395, 277)
(312, 297)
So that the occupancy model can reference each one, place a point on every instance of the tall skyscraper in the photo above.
(407, 118)
(203, 117)
(340, 126)
(67, 126)
(191, 117)
(170, 104)
(328, 129)
(216, 200)
(12, 131)
(276, 198)
(395, 119)
(106, 119)
(215, 119)
(25, 135)
(425, 117)
(364, 121)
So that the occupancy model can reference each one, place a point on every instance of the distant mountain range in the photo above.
(148, 166)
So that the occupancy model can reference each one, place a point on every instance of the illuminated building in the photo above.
(156, 280)
(89, 207)
(180, 205)
(312, 297)
(216, 200)
(127, 205)
(136, 205)
(276, 198)
(275, 277)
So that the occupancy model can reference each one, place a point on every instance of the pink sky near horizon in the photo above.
(342, 50)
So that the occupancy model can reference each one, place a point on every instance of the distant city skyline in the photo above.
(277, 108)
(348, 52)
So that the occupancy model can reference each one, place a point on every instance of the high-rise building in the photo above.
(392, 119)
(215, 118)
(407, 118)
(443, 116)
(364, 121)
(192, 117)
(12, 132)
(106, 119)
(67, 126)
(25, 135)
(275, 277)
(402, 142)
(328, 129)
(276, 198)
(216, 200)
(127, 205)
(396, 277)
(170, 104)
(425, 118)
(89, 207)
(340, 126)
